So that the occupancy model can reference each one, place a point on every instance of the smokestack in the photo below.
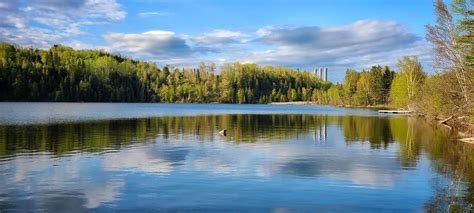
(320, 73)
(326, 74)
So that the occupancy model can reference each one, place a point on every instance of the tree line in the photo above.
(64, 74)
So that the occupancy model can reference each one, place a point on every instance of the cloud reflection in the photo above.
(280, 158)
(54, 182)
(101, 194)
(92, 164)
(137, 160)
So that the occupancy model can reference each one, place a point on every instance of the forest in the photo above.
(64, 74)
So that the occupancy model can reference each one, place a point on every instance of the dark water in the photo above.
(71, 158)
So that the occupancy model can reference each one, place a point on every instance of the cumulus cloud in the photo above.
(34, 37)
(41, 23)
(358, 45)
(221, 42)
(218, 37)
(366, 42)
(69, 16)
(101, 9)
(175, 48)
(360, 34)
(159, 44)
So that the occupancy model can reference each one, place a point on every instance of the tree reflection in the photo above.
(414, 137)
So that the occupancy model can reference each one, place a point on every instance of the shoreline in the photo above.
(463, 130)
(346, 106)
(293, 103)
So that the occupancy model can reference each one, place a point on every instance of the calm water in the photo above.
(149, 157)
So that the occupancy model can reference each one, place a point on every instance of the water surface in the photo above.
(171, 157)
(44, 113)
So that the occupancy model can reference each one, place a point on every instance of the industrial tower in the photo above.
(321, 73)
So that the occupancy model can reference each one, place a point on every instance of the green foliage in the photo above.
(350, 84)
(439, 96)
(64, 74)
(365, 88)
(463, 11)
(363, 93)
(408, 82)
(336, 95)
(398, 93)
(452, 36)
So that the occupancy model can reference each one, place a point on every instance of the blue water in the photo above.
(42, 113)
(71, 157)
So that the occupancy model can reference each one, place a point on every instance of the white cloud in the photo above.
(356, 34)
(30, 37)
(148, 14)
(157, 44)
(98, 9)
(79, 45)
(109, 9)
(166, 47)
(14, 21)
(41, 23)
(218, 37)
(71, 15)
(219, 42)
(357, 45)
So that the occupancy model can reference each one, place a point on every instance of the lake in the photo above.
(81, 157)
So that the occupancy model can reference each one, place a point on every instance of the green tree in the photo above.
(376, 85)
(398, 93)
(408, 82)
(350, 84)
(363, 92)
(452, 36)
(240, 96)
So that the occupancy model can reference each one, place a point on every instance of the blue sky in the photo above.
(337, 34)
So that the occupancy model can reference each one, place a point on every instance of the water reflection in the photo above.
(103, 135)
(164, 162)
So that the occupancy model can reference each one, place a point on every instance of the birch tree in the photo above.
(408, 81)
(452, 40)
